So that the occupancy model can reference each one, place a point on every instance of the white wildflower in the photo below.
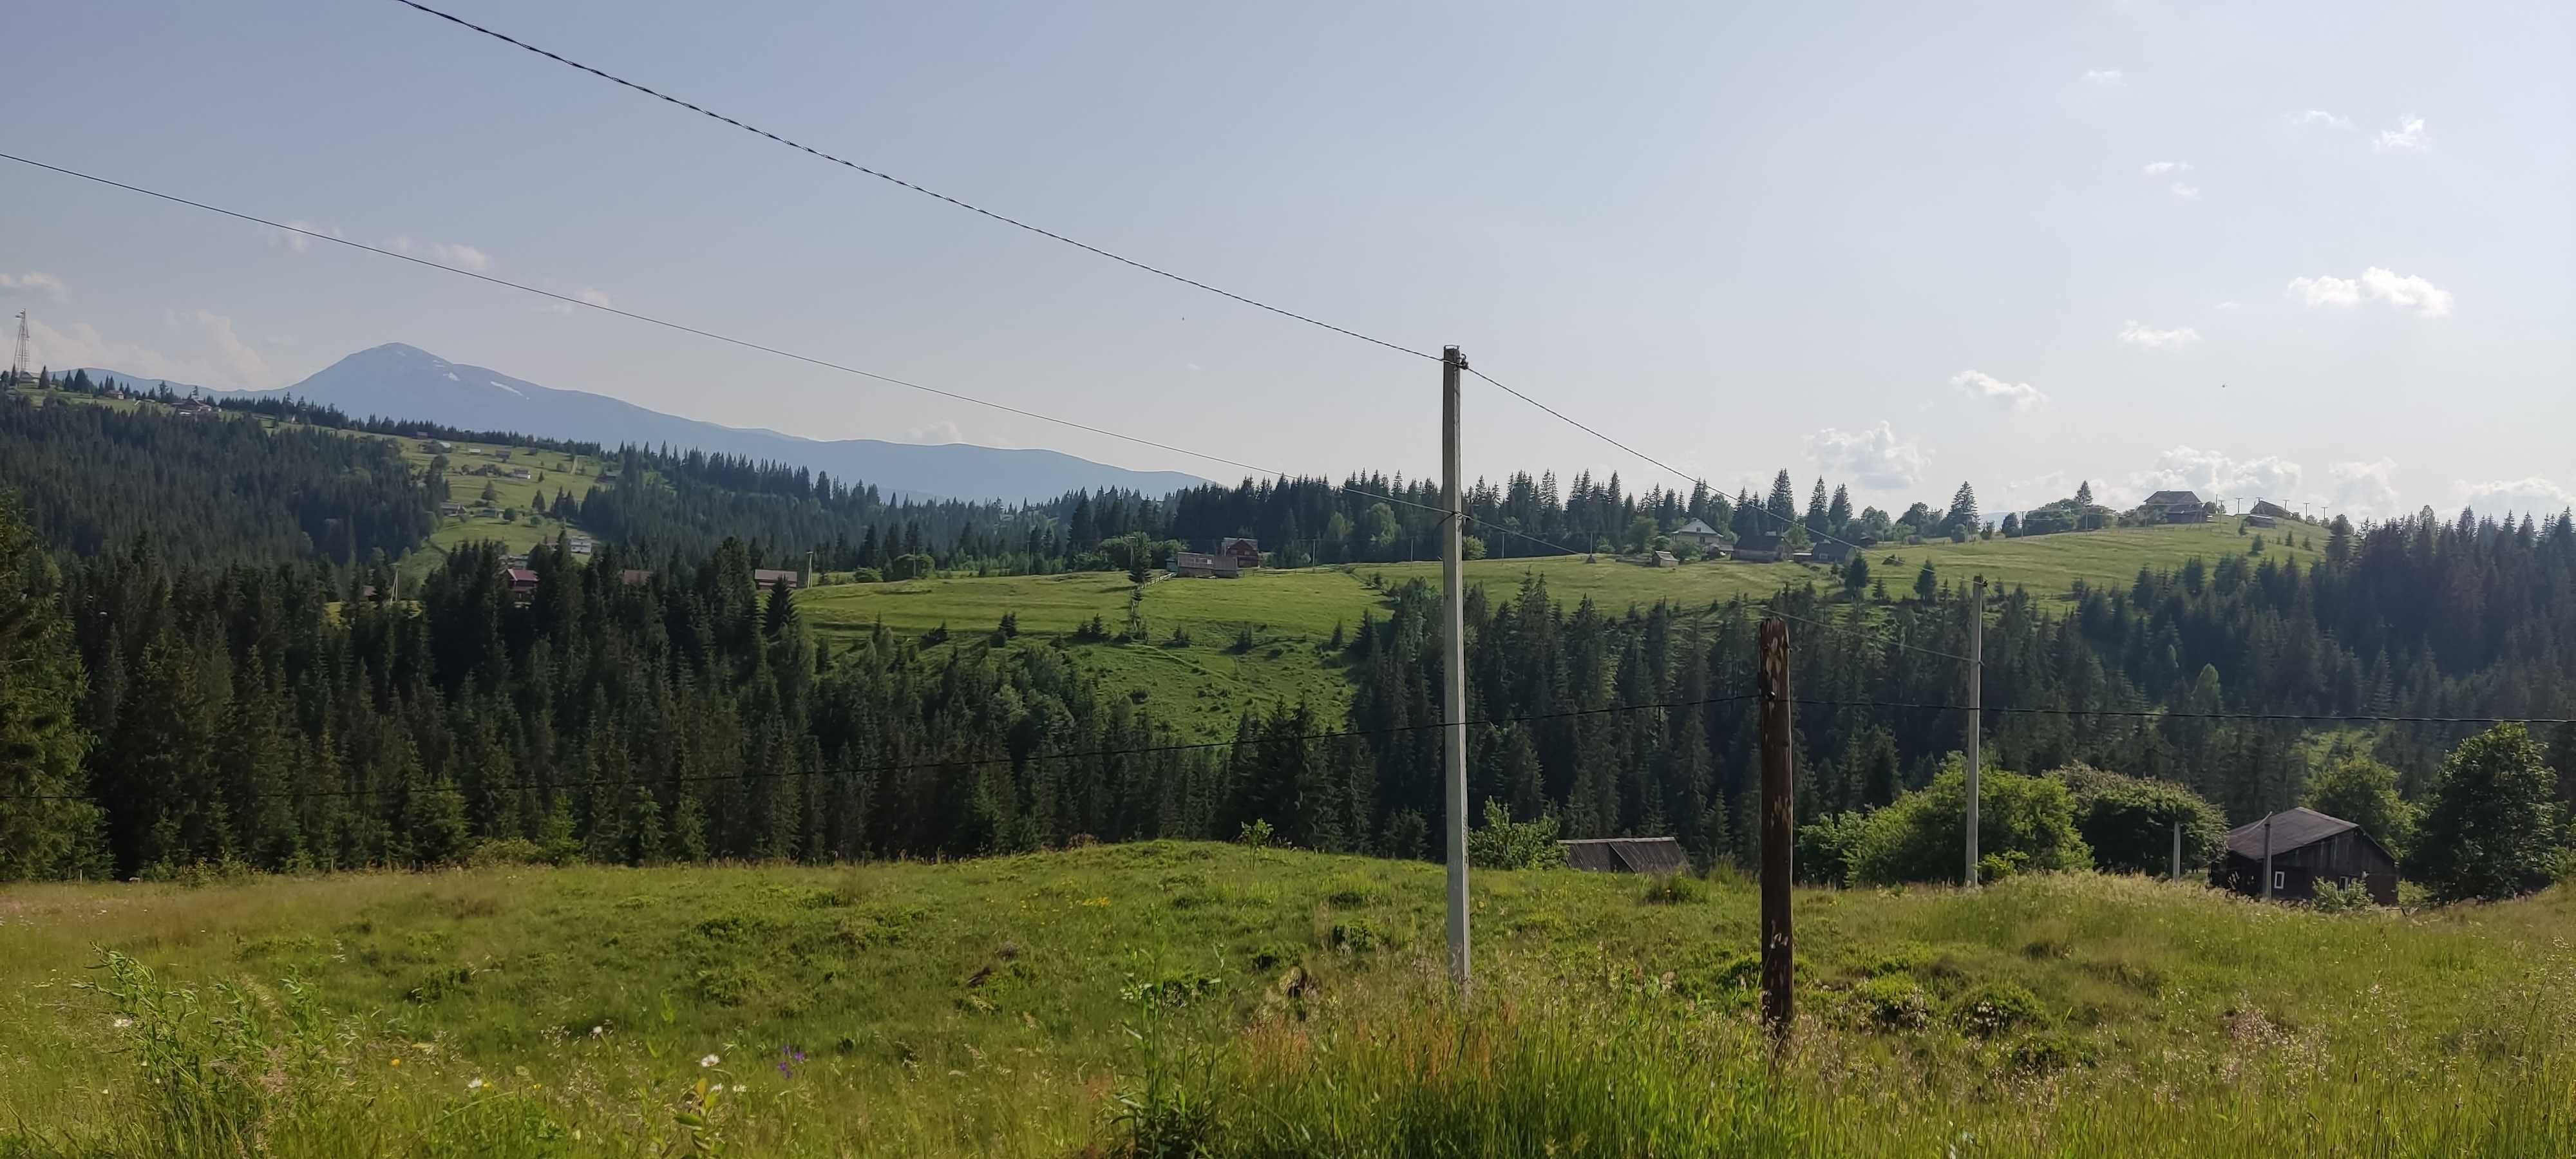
(474, 1084)
(122, 1023)
(738, 1088)
(709, 1060)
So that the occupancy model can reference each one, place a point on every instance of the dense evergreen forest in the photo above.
(205, 490)
(168, 715)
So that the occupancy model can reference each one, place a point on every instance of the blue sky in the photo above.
(1901, 245)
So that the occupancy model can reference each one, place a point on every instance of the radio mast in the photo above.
(18, 363)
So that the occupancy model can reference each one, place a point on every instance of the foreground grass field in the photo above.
(1179, 999)
(1202, 687)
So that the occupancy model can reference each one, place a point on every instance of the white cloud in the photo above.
(212, 353)
(2104, 78)
(463, 257)
(2185, 192)
(2319, 117)
(938, 432)
(1875, 458)
(2214, 475)
(299, 242)
(2407, 292)
(2364, 490)
(2013, 396)
(2160, 168)
(2137, 333)
(2326, 290)
(2533, 495)
(2024, 494)
(2229, 305)
(230, 351)
(594, 297)
(2409, 134)
(36, 283)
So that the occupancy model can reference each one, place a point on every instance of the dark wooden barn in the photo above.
(2307, 848)
(1659, 855)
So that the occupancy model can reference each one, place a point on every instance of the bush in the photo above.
(2346, 898)
(1996, 1007)
(1672, 889)
(1918, 837)
(1255, 833)
(1826, 845)
(1507, 844)
(2128, 821)
(1893, 1002)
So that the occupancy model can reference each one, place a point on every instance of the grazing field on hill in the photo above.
(1201, 687)
(1280, 1003)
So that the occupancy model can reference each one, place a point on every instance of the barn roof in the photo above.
(1627, 855)
(2291, 829)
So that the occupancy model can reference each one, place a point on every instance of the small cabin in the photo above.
(2304, 848)
(1656, 855)
(1203, 565)
(1666, 559)
(1761, 547)
(765, 578)
(1245, 553)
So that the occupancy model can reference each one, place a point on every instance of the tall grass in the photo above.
(1182, 999)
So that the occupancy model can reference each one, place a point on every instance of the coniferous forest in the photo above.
(194, 675)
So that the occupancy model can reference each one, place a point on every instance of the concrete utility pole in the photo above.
(2267, 857)
(1976, 712)
(1453, 665)
(1779, 827)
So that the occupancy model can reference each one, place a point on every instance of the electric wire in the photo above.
(916, 188)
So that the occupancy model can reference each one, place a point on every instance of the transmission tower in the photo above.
(18, 362)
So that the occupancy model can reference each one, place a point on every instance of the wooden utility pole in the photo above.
(2177, 860)
(1453, 662)
(1976, 712)
(1779, 827)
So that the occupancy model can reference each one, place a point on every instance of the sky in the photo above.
(2315, 252)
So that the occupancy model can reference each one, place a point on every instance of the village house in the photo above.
(2275, 510)
(765, 578)
(1760, 547)
(1657, 855)
(1700, 534)
(2261, 521)
(1836, 551)
(580, 545)
(634, 576)
(1666, 559)
(2175, 507)
(2304, 848)
(1201, 565)
(523, 582)
(1245, 553)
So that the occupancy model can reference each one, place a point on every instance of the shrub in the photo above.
(1826, 845)
(1918, 837)
(1672, 889)
(1893, 1002)
(1996, 1007)
(1255, 833)
(2128, 821)
(1507, 844)
(2347, 898)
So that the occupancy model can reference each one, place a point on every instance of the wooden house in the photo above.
(766, 578)
(2304, 847)
(1761, 547)
(1699, 533)
(2175, 507)
(2275, 510)
(1627, 855)
(1203, 565)
(1245, 553)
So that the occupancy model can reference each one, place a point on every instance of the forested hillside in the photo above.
(204, 489)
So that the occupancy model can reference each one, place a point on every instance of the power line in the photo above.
(923, 190)
(2163, 714)
(700, 332)
(976, 762)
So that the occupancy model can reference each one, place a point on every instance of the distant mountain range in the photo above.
(405, 382)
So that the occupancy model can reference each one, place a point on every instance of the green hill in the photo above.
(1281, 1003)
(1203, 686)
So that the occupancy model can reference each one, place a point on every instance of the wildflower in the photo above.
(709, 1061)
(395, 1062)
(474, 1084)
(122, 1023)
(596, 1031)
(738, 1088)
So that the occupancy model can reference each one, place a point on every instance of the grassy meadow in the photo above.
(1181, 998)
(1201, 687)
